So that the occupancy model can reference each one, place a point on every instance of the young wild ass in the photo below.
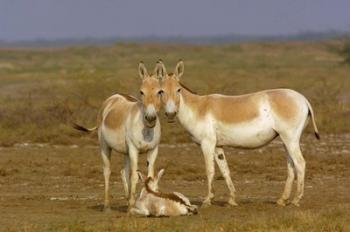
(151, 202)
(130, 127)
(244, 121)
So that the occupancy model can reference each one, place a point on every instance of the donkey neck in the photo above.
(148, 133)
(188, 101)
(189, 96)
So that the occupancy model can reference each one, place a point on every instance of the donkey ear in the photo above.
(160, 174)
(142, 70)
(160, 70)
(179, 69)
(141, 177)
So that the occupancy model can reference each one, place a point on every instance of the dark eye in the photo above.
(160, 92)
(142, 93)
(178, 91)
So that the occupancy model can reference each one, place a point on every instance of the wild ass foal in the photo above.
(130, 127)
(152, 202)
(245, 121)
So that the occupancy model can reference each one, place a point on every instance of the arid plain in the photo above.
(51, 175)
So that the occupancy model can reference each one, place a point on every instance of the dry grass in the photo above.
(60, 188)
(324, 221)
(43, 90)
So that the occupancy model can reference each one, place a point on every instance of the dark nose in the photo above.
(170, 115)
(150, 118)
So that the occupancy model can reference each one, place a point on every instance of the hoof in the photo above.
(206, 203)
(129, 212)
(232, 202)
(296, 203)
(281, 202)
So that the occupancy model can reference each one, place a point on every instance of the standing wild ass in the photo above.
(245, 121)
(130, 127)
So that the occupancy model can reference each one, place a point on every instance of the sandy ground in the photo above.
(47, 187)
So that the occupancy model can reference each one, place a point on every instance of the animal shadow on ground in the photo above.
(249, 201)
(199, 203)
(220, 203)
(119, 208)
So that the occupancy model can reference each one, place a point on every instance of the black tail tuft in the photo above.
(317, 135)
(81, 128)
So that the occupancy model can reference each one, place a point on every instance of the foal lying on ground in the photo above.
(151, 202)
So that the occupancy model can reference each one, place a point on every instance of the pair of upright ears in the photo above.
(160, 70)
(159, 175)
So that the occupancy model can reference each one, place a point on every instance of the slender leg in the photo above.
(299, 163)
(225, 171)
(151, 158)
(293, 148)
(106, 157)
(125, 183)
(125, 175)
(208, 149)
(133, 154)
(289, 183)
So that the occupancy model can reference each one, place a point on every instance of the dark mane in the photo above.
(129, 97)
(185, 87)
(169, 196)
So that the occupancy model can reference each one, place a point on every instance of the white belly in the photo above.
(115, 139)
(251, 134)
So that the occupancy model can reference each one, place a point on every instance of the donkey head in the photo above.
(171, 88)
(150, 91)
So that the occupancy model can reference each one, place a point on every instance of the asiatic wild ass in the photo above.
(152, 202)
(130, 127)
(245, 121)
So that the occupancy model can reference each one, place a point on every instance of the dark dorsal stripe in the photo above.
(129, 97)
(169, 196)
(185, 87)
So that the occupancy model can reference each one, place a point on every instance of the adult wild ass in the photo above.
(244, 121)
(130, 127)
(152, 202)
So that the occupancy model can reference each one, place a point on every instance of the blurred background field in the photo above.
(43, 90)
